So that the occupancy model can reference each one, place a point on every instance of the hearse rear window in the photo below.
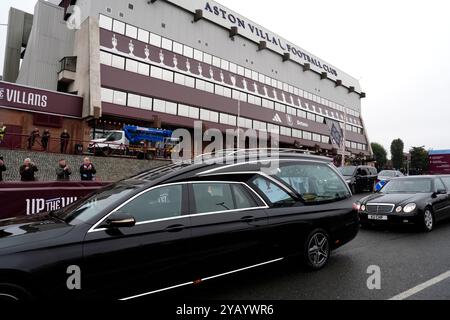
(314, 182)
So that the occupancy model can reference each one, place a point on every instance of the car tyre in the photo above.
(13, 293)
(317, 249)
(428, 220)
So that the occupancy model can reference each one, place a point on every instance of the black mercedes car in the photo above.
(180, 225)
(421, 201)
(360, 178)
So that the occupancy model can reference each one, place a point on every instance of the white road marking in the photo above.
(405, 295)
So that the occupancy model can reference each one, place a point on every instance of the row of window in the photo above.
(132, 65)
(354, 129)
(356, 145)
(162, 106)
(189, 52)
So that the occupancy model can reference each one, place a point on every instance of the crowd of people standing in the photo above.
(28, 170)
(35, 135)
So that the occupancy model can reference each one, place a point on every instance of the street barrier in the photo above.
(18, 199)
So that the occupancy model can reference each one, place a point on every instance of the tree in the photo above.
(380, 154)
(397, 147)
(419, 160)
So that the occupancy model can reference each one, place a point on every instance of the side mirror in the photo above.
(442, 191)
(119, 220)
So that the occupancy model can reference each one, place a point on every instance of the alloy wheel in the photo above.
(428, 220)
(318, 250)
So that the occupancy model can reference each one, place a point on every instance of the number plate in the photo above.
(379, 218)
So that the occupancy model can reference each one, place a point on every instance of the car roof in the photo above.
(224, 162)
(418, 177)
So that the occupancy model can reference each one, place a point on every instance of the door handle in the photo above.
(248, 219)
(175, 228)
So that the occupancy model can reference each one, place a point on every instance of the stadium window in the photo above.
(198, 55)
(183, 110)
(119, 27)
(268, 104)
(134, 101)
(194, 113)
(105, 58)
(325, 139)
(216, 62)
(248, 73)
(132, 66)
(171, 108)
(166, 44)
(107, 95)
(105, 22)
(188, 52)
(143, 35)
(156, 72)
(207, 58)
(307, 135)
(143, 69)
(146, 103)
(209, 87)
(167, 75)
(292, 111)
(301, 114)
(159, 105)
(131, 31)
(178, 48)
(233, 67)
(155, 40)
(280, 107)
(118, 62)
(261, 78)
(311, 116)
(272, 128)
(200, 84)
(225, 65)
(120, 98)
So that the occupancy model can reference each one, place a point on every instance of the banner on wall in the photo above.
(33, 198)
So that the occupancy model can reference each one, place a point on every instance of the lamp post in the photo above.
(344, 137)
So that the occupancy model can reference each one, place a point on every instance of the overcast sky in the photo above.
(399, 49)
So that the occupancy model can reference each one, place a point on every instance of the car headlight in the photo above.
(358, 206)
(410, 207)
(363, 207)
(399, 209)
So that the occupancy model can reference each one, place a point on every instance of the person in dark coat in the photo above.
(2, 168)
(65, 138)
(87, 170)
(32, 138)
(63, 171)
(45, 139)
(27, 171)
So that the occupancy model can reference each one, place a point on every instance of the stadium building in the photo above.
(101, 64)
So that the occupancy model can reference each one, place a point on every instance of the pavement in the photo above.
(413, 266)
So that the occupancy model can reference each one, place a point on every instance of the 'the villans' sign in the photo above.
(266, 36)
(24, 98)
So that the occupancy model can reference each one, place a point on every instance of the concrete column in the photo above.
(19, 28)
